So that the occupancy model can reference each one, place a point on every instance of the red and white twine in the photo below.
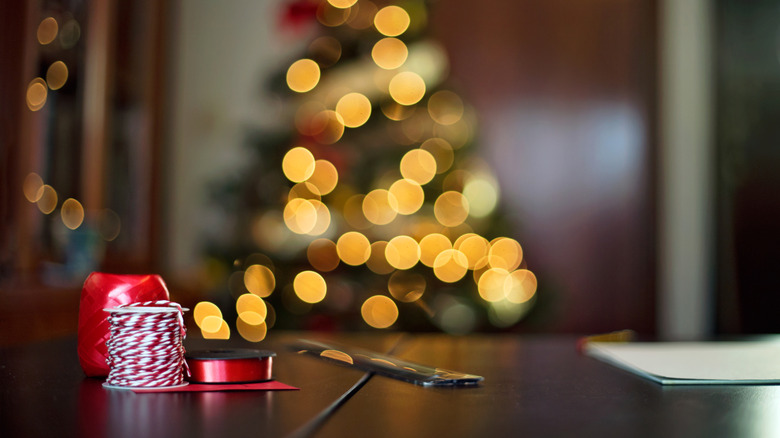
(145, 348)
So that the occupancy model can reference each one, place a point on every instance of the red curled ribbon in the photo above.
(230, 366)
(104, 291)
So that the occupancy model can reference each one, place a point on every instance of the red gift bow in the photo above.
(105, 291)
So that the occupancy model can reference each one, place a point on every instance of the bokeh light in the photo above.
(407, 88)
(391, 21)
(521, 286)
(380, 207)
(250, 332)
(328, 127)
(251, 308)
(419, 166)
(389, 53)
(451, 209)
(395, 111)
(37, 93)
(47, 199)
(491, 285)
(406, 286)
(362, 15)
(482, 195)
(342, 4)
(475, 248)
(354, 109)
(300, 215)
(332, 16)
(109, 224)
(303, 75)
(450, 265)
(505, 253)
(377, 262)
(322, 218)
(72, 213)
(379, 311)
(204, 309)
(47, 30)
(445, 107)
(325, 50)
(222, 332)
(441, 151)
(325, 177)
(259, 280)
(408, 194)
(310, 287)
(304, 190)
(32, 187)
(431, 246)
(57, 75)
(353, 248)
(298, 164)
(323, 255)
(402, 252)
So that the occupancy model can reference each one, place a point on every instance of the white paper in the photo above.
(695, 363)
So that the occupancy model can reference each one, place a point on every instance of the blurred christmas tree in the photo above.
(370, 208)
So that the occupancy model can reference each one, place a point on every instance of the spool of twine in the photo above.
(145, 347)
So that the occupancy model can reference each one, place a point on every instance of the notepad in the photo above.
(695, 363)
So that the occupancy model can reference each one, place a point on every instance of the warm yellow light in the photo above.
(300, 216)
(419, 166)
(204, 309)
(337, 355)
(47, 30)
(251, 332)
(323, 255)
(389, 53)
(223, 332)
(342, 4)
(445, 107)
(441, 151)
(402, 252)
(407, 88)
(406, 286)
(304, 190)
(363, 18)
(259, 280)
(310, 287)
(379, 311)
(303, 75)
(57, 75)
(482, 196)
(451, 209)
(354, 109)
(72, 213)
(211, 324)
(251, 308)
(408, 194)
(491, 285)
(450, 265)
(37, 93)
(32, 187)
(47, 199)
(431, 246)
(475, 248)
(391, 21)
(325, 177)
(322, 218)
(377, 263)
(298, 164)
(380, 207)
(505, 253)
(521, 286)
(353, 248)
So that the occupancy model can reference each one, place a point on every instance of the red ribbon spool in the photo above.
(105, 291)
(230, 366)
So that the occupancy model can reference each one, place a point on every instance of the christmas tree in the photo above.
(372, 208)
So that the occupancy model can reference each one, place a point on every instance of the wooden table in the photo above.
(534, 386)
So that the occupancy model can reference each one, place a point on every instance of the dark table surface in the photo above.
(534, 386)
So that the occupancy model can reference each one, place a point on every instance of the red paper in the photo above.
(104, 291)
(271, 385)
